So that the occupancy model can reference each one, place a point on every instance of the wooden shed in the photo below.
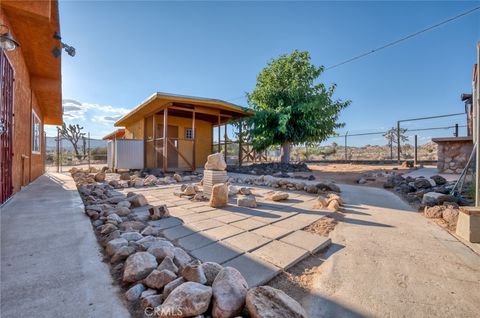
(177, 130)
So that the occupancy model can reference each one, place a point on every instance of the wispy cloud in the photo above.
(95, 118)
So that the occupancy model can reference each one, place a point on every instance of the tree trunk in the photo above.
(286, 147)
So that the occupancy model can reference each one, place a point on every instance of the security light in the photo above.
(7, 42)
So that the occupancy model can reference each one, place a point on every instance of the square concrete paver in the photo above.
(217, 252)
(306, 240)
(195, 241)
(272, 231)
(179, 211)
(299, 221)
(192, 218)
(248, 224)
(177, 232)
(206, 224)
(166, 223)
(247, 241)
(203, 208)
(280, 254)
(231, 217)
(255, 270)
(223, 232)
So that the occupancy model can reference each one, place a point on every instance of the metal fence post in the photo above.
(415, 152)
(398, 142)
(456, 130)
(89, 150)
(346, 151)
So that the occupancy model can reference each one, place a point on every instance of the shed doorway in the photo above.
(172, 147)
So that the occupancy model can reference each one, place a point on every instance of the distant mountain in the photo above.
(67, 145)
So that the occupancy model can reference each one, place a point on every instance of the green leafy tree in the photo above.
(291, 106)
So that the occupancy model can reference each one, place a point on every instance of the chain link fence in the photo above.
(62, 154)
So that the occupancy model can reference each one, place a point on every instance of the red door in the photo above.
(6, 118)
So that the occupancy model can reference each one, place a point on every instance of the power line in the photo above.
(458, 16)
(403, 39)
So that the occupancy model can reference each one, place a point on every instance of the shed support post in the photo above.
(194, 136)
(240, 144)
(165, 139)
(219, 143)
(154, 124)
(225, 141)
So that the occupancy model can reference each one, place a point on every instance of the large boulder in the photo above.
(216, 161)
(171, 286)
(122, 253)
(211, 270)
(278, 196)
(439, 180)
(157, 279)
(181, 258)
(158, 212)
(138, 200)
(320, 203)
(114, 245)
(161, 249)
(134, 292)
(193, 272)
(138, 266)
(434, 198)
(168, 263)
(100, 177)
(422, 183)
(268, 302)
(125, 176)
(247, 201)
(450, 216)
(229, 292)
(131, 236)
(434, 212)
(187, 300)
(219, 196)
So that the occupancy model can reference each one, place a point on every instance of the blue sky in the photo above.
(128, 50)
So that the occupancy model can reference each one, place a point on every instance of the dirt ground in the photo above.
(350, 173)
(297, 282)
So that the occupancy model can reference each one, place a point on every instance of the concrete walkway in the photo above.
(389, 261)
(50, 260)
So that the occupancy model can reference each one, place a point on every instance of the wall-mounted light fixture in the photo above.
(69, 49)
(7, 42)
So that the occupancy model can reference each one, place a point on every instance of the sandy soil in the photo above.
(351, 173)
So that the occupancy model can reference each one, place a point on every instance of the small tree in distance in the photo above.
(290, 108)
(72, 133)
(392, 137)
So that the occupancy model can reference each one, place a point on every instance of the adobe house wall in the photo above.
(24, 101)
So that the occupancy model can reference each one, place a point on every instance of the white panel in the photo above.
(129, 154)
(110, 154)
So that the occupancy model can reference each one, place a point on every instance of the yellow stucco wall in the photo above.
(204, 139)
(134, 131)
